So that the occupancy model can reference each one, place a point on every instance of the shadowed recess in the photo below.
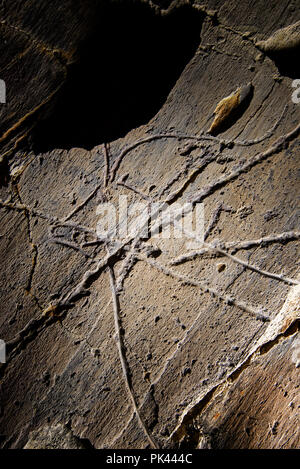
(122, 76)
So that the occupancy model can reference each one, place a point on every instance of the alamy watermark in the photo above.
(2, 351)
(151, 220)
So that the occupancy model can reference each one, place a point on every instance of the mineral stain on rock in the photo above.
(231, 108)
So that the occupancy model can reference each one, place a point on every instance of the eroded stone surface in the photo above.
(181, 342)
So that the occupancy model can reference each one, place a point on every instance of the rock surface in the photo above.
(144, 342)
